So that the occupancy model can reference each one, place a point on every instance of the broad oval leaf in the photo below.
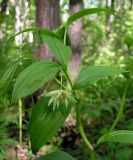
(123, 136)
(34, 77)
(89, 11)
(7, 77)
(58, 155)
(91, 74)
(57, 48)
(45, 122)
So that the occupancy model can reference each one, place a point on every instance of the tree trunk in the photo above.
(3, 6)
(75, 32)
(109, 17)
(112, 4)
(47, 16)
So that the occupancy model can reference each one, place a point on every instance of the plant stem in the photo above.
(121, 107)
(68, 78)
(81, 130)
(20, 122)
(65, 35)
(32, 101)
(92, 155)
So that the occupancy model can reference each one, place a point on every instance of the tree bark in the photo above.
(47, 16)
(3, 6)
(75, 32)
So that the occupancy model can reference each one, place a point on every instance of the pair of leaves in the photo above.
(91, 74)
(7, 77)
(123, 136)
(34, 77)
(45, 122)
(58, 155)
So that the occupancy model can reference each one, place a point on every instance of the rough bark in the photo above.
(75, 32)
(47, 16)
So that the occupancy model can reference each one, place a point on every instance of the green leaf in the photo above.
(54, 42)
(57, 48)
(7, 77)
(45, 122)
(58, 155)
(34, 77)
(89, 11)
(43, 30)
(128, 41)
(91, 74)
(123, 136)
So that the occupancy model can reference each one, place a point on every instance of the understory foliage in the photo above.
(98, 92)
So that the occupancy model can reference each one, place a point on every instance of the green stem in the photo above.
(92, 155)
(32, 101)
(63, 86)
(20, 122)
(61, 79)
(68, 78)
(65, 35)
(121, 107)
(81, 130)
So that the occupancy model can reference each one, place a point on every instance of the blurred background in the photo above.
(95, 40)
